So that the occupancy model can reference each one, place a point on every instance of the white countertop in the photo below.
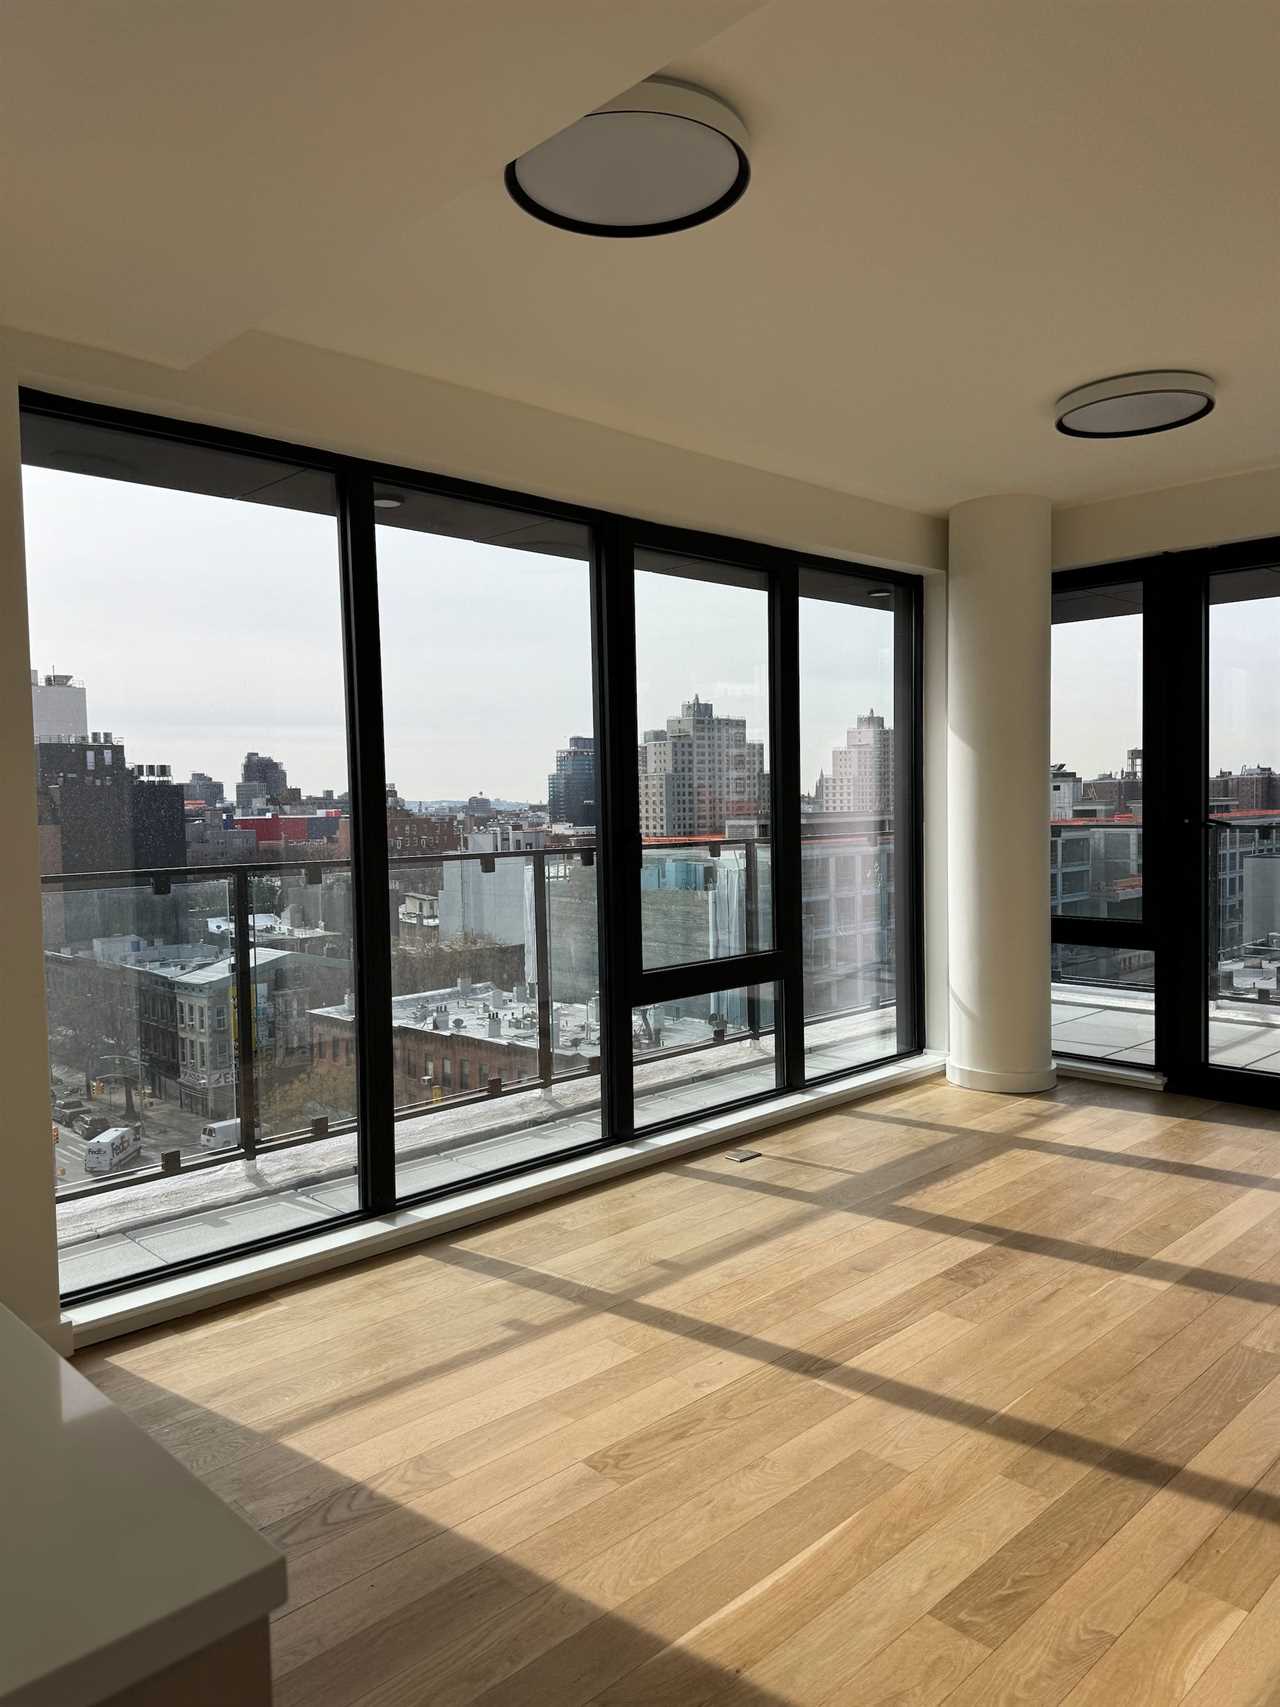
(115, 1561)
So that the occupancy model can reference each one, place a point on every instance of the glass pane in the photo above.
(303, 971)
(847, 821)
(1104, 1003)
(704, 903)
(1244, 805)
(700, 1052)
(151, 565)
(1095, 778)
(487, 700)
(702, 703)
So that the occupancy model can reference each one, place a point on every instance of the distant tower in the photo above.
(261, 778)
(698, 771)
(571, 789)
(861, 778)
(58, 709)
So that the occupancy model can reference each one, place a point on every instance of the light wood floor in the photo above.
(945, 1397)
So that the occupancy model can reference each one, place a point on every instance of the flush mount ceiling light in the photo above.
(1130, 404)
(663, 157)
(388, 501)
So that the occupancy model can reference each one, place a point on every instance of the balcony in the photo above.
(249, 1132)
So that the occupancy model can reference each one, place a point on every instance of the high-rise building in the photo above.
(698, 771)
(204, 788)
(861, 777)
(97, 814)
(571, 789)
(262, 778)
(58, 709)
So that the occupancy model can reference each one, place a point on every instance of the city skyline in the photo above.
(479, 693)
(476, 705)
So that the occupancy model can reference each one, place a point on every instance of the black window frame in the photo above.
(614, 543)
(1145, 933)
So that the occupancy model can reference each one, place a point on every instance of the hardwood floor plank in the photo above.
(1162, 1653)
(920, 1668)
(1049, 1653)
(576, 1670)
(826, 1652)
(1117, 1411)
(1246, 1673)
(850, 1552)
(1240, 1561)
(991, 1604)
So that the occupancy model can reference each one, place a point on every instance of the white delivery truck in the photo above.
(115, 1148)
(220, 1135)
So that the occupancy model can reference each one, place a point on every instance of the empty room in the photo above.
(607, 1102)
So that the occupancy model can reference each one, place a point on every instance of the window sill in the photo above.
(1106, 1073)
(181, 1295)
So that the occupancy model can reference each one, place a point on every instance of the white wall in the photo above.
(28, 1264)
(1175, 518)
(281, 389)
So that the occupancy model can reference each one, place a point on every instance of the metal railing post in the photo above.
(542, 972)
(246, 1083)
(751, 901)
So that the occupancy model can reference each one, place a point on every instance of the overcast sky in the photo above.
(1097, 689)
(204, 627)
(1096, 694)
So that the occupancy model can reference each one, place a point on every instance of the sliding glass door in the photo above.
(400, 835)
(1099, 795)
(1165, 851)
(1242, 817)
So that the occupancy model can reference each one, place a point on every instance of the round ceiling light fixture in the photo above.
(663, 157)
(1130, 404)
(387, 501)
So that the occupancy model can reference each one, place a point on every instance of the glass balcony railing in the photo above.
(203, 1046)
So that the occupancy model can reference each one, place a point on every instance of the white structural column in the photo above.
(28, 1251)
(997, 794)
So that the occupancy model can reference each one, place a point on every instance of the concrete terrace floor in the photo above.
(137, 1230)
(1118, 1026)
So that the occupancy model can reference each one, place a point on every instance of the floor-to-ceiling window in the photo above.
(188, 704)
(704, 799)
(1103, 962)
(488, 711)
(398, 834)
(855, 817)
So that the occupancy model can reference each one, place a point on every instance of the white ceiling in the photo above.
(959, 208)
